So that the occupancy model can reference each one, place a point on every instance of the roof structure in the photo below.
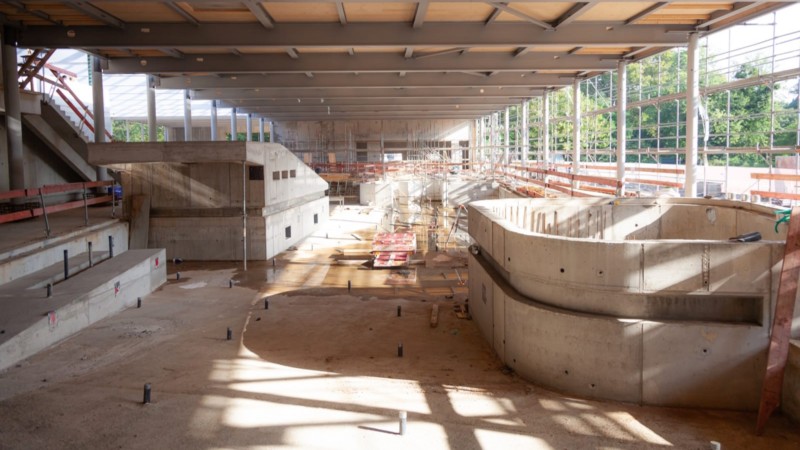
(368, 59)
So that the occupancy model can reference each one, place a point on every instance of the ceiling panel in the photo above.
(547, 12)
(140, 11)
(380, 12)
(303, 12)
(458, 12)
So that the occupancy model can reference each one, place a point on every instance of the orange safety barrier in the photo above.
(42, 209)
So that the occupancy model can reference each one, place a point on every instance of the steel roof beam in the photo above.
(364, 101)
(505, 8)
(654, 8)
(341, 12)
(181, 12)
(257, 9)
(319, 108)
(363, 63)
(333, 35)
(419, 16)
(721, 15)
(440, 92)
(381, 80)
(95, 13)
(577, 10)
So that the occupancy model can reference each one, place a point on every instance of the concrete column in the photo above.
(545, 130)
(260, 129)
(576, 130)
(249, 125)
(273, 138)
(214, 123)
(526, 137)
(622, 103)
(16, 159)
(187, 116)
(507, 142)
(152, 126)
(233, 124)
(692, 110)
(99, 111)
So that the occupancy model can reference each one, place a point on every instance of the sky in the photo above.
(125, 94)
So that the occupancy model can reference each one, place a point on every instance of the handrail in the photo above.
(43, 209)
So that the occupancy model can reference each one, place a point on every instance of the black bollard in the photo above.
(111, 246)
(230, 284)
(273, 262)
(49, 290)
(146, 399)
(230, 334)
(91, 261)
(177, 275)
(66, 264)
(266, 303)
(138, 302)
(400, 350)
(349, 285)
(398, 311)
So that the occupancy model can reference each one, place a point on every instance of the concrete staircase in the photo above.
(60, 129)
(31, 321)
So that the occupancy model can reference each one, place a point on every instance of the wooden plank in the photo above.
(775, 176)
(654, 182)
(434, 316)
(782, 195)
(781, 324)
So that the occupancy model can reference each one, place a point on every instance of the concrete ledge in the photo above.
(28, 258)
(33, 322)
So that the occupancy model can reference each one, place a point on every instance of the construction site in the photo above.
(391, 224)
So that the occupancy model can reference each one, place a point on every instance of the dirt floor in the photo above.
(319, 369)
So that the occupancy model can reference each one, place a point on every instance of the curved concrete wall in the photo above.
(614, 300)
(634, 258)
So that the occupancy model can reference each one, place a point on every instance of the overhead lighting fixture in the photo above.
(143, 62)
(199, 59)
(144, 30)
(322, 100)
(481, 90)
(70, 33)
(298, 100)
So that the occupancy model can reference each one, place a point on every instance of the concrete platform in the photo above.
(30, 322)
(24, 249)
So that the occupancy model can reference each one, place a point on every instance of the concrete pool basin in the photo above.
(642, 300)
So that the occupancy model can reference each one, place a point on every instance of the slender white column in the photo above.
(622, 89)
(692, 110)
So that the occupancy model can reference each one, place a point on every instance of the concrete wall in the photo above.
(588, 256)
(196, 208)
(42, 166)
(617, 301)
(696, 364)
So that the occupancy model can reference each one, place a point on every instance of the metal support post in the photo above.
(187, 116)
(576, 131)
(214, 124)
(13, 116)
(44, 213)
(244, 214)
(622, 89)
(249, 126)
(273, 137)
(507, 141)
(98, 104)
(152, 127)
(234, 126)
(692, 109)
(260, 129)
(526, 138)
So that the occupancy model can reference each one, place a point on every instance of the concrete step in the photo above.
(28, 256)
(31, 322)
(54, 273)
